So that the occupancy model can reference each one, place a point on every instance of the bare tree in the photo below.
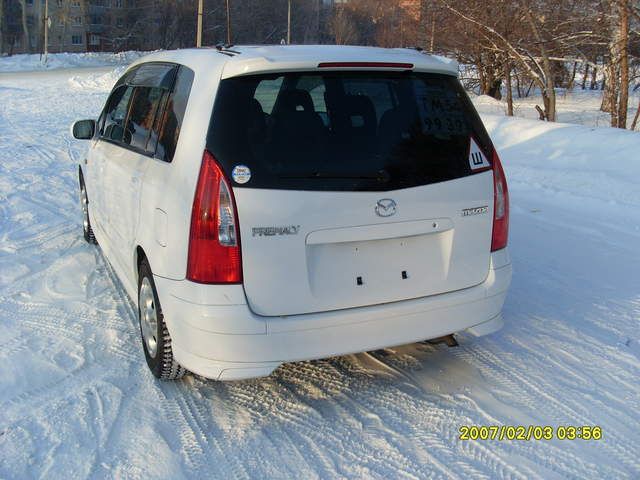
(343, 27)
(2, 20)
(616, 95)
(25, 26)
(536, 63)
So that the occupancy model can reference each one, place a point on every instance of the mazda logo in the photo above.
(385, 207)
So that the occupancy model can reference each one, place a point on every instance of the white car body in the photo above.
(427, 271)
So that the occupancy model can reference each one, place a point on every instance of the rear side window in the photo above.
(345, 131)
(145, 103)
(171, 121)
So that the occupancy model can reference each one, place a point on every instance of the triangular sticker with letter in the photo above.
(477, 158)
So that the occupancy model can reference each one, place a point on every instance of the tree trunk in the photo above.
(616, 95)
(25, 26)
(549, 93)
(509, 89)
(573, 76)
(495, 89)
(518, 89)
(550, 100)
(594, 78)
(482, 78)
(635, 118)
(584, 78)
(610, 95)
(528, 92)
(1, 24)
(623, 44)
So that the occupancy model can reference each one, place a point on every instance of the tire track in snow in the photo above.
(486, 456)
(49, 394)
(492, 367)
(59, 324)
(264, 400)
(13, 346)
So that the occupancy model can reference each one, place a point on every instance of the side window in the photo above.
(174, 114)
(142, 113)
(116, 113)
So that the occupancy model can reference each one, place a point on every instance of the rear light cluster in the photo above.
(500, 233)
(214, 239)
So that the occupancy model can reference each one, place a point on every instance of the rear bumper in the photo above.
(215, 334)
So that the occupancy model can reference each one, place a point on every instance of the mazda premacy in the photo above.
(272, 204)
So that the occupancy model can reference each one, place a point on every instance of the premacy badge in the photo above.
(241, 174)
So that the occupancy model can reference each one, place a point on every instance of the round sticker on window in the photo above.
(241, 174)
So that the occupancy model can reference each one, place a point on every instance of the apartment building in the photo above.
(74, 25)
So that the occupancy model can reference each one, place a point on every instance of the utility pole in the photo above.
(289, 24)
(46, 29)
(199, 31)
(228, 24)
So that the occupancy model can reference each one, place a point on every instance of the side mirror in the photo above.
(83, 129)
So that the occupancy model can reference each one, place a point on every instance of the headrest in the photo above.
(295, 101)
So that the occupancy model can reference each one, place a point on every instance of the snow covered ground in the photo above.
(77, 401)
(31, 62)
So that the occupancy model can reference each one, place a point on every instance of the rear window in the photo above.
(345, 131)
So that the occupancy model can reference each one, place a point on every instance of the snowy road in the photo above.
(77, 401)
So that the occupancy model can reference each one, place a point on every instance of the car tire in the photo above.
(86, 222)
(156, 340)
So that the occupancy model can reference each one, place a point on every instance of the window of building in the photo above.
(94, 40)
(117, 3)
(77, 20)
(76, 39)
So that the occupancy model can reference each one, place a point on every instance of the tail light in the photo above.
(214, 240)
(500, 206)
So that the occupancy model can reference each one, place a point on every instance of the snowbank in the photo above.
(487, 104)
(578, 106)
(595, 163)
(30, 62)
(100, 82)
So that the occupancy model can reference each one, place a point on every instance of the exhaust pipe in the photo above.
(448, 340)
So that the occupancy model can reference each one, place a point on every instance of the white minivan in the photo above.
(272, 204)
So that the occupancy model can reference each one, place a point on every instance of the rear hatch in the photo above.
(354, 188)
